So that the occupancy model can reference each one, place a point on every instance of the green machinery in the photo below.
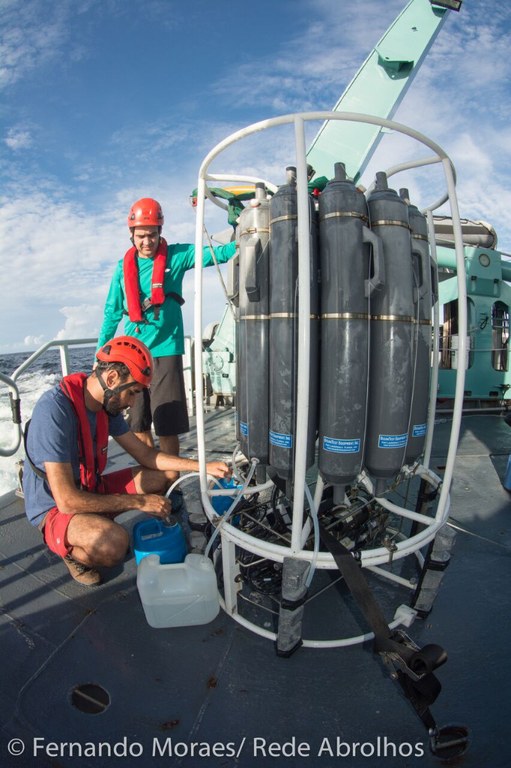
(487, 377)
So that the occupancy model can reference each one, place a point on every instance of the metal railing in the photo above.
(63, 346)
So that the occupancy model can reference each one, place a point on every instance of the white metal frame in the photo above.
(232, 536)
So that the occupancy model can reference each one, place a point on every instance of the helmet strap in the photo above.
(108, 393)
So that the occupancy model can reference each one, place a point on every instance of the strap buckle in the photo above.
(404, 655)
(449, 741)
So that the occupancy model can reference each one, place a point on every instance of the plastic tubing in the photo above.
(231, 509)
(314, 515)
(180, 480)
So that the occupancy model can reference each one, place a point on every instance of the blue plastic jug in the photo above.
(154, 537)
(222, 503)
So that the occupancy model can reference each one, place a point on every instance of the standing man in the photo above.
(66, 493)
(147, 286)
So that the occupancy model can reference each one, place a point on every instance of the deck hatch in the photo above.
(90, 698)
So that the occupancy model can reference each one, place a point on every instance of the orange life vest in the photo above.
(92, 463)
(131, 285)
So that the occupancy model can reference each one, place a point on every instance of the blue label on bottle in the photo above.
(393, 441)
(334, 445)
(244, 428)
(280, 440)
(419, 430)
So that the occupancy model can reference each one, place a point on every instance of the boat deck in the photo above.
(223, 688)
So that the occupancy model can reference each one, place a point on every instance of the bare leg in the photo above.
(96, 540)
(170, 444)
(146, 437)
(151, 480)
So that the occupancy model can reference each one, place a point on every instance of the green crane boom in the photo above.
(378, 88)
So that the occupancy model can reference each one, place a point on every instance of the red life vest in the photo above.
(91, 466)
(132, 289)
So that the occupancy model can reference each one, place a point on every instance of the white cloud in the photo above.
(33, 342)
(31, 38)
(310, 70)
(69, 255)
(18, 138)
(82, 321)
(65, 255)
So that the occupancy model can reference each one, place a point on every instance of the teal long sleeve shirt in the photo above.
(163, 335)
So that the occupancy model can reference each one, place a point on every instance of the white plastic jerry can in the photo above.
(178, 594)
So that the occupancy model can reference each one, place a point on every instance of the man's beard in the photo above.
(113, 406)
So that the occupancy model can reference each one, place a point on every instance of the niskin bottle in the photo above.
(392, 326)
(284, 328)
(253, 327)
(346, 285)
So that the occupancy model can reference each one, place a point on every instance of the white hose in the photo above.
(314, 515)
(231, 509)
(180, 480)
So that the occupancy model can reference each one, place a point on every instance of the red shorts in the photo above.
(55, 522)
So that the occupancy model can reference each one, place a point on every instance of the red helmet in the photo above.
(146, 212)
(133, 353)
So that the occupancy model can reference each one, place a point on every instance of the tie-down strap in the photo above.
(411, 665)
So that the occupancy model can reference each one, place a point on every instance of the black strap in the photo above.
(39, 472)
(147, 304)
(415, 676)
(356, 582)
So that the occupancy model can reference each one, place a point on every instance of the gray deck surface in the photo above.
(220, 684)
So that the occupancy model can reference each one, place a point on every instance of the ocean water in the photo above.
(44, 373)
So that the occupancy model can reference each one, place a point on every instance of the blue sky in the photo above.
(106, 101)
